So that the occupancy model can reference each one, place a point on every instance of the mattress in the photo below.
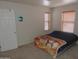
(49, 44)
(70, 38)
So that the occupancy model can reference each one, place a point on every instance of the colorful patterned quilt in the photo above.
(49, 44)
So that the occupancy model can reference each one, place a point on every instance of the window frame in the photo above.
(49, 20)
(62, 22)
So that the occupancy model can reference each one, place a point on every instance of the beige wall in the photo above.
(56, 16)
(32, 24)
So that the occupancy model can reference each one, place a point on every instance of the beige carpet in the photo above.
(4, 57)
(31, 52)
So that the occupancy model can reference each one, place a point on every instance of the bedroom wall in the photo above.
(32, 24)
(56, 16)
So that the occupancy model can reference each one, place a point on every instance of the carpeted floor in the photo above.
(31, 52)
(4, 57)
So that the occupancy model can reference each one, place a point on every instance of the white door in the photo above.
(8, 39)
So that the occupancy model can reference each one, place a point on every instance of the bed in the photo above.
(56, 42)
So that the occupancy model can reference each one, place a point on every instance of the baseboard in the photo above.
(21, 45)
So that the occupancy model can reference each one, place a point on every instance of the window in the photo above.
(47, 21)
(68, 19)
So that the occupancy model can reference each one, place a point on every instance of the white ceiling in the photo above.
(53, 3)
